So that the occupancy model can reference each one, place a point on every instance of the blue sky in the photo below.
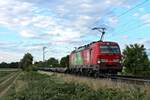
(61, 25)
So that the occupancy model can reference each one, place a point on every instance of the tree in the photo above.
(64, 62)
(3, 65)
(13, 65)
(135, 59)
(52, 62)
(26, 62)
(39, 64)
(9, 65)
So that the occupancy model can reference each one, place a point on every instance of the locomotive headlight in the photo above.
(98, 61)
(103, 60)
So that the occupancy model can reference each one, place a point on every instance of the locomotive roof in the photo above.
(86, 46)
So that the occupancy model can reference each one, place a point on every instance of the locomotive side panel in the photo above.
(71, 59)
(76, 58)
(94, 52)
(86, 56)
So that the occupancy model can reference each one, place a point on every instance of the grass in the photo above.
(4, 73)
(96, 84)
(9, 69)
(35, 86)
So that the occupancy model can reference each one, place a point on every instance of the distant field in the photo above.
(4, 73)
(6, 81)
(35, 86)
(8, 69)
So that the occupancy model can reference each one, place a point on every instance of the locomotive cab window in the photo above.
(109, 49)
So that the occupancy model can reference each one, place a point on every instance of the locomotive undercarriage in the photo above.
(94, 70)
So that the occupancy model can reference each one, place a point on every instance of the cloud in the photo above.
(9, 56)
(36, 22)
(113, 21)
(13, 9)
(54, 23)
(9, 44)
(124, 36)
(136, 14)
(145, 18)
(148, 50)
(141, 9)
(116, 2)
(26, 33)
(146, 42)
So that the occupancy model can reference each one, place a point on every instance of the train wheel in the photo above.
(95, 75)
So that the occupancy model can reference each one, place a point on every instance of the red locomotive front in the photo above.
(109, 57)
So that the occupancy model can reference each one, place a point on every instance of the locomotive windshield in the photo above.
(109, 49)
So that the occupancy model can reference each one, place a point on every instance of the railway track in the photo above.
(131, 79)
(118, 78)
(7, 81)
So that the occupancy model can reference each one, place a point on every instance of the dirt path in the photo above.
(43, 72)
(6, 84)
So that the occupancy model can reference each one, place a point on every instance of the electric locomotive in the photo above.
(96, 58)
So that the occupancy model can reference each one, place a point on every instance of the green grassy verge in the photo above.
(9, 69)
(4, 73)
(35, 86)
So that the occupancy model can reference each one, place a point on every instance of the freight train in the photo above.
(99, 57)
(96, 58)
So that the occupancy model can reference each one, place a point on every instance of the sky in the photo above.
(61, 25)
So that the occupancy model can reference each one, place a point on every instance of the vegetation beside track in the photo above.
(6, 82)
(35, 86)
(4, 73)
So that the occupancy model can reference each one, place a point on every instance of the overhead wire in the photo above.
(136, 6)
(129, 22)
(138, 26)
(110, 11)
(119, 16)
(127, 11)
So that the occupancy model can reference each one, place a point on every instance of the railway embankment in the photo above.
(53, 86)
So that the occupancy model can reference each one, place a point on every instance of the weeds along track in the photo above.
(6, 82)
(116, 78)
(131, 79)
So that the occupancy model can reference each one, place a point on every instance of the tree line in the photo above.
(9, 65)
(53, 62)
(26, 63)
(135, 61)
